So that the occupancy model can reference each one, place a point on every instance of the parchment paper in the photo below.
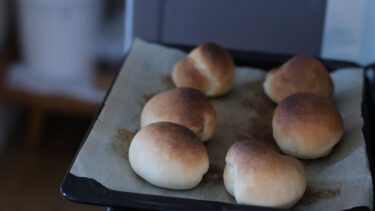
(339, 181)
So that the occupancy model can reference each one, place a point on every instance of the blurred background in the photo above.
(58, 59)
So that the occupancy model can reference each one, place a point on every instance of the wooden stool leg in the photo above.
(34, 127)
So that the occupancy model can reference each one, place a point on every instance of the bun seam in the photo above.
(204, 71)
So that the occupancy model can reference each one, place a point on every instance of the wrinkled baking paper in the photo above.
(339, 181)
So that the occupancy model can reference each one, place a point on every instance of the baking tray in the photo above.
(89, 191)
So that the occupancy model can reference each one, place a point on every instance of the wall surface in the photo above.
(294, 27)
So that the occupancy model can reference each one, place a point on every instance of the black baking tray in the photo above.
(89, 191)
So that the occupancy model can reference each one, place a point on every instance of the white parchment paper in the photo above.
(339, 181)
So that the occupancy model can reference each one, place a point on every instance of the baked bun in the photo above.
(168, 155)
(306, 126)
(183, 106)
(299, 74)
(208, 68)
(255, 174)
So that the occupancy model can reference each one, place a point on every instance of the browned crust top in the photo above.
(254, 155)
(216, 59)
(309, 108)
(186, 74)
(180, 105)
(309, 117)
(174, 141)
(301, 73)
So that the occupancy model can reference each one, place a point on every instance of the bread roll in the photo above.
(168, 155)
(208, 68)
(255, 174)
(299, 74)
(184, 106)
(306, 126)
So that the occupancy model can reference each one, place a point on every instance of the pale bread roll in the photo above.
(187, 107)
(208, 68)
(299, 74)
(168, 155)
(255, 174)
(306, 126)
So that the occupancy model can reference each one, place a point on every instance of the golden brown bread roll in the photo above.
(208, 68)
(184, 106)
(299, 74)
(256, 174)
(306, 126)
(168, 155)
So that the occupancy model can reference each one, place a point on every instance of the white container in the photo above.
(3, 23)
(58, 38)
(349, 37)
